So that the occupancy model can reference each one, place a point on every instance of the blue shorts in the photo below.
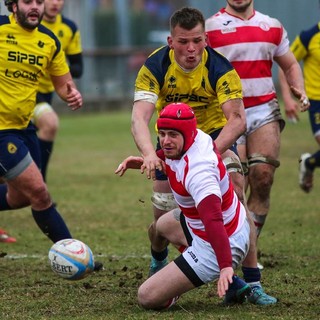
(314, 116)
(17, 149)
(162, 177)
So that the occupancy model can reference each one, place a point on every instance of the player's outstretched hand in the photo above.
(150, 164)
(131, 162)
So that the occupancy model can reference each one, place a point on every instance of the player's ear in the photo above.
(14, 7)
(169, 41)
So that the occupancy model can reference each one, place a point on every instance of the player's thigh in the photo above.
(169, 227)
(242, 152)
(265, 141)
(29, 183)
(28, 188)
(161, 186)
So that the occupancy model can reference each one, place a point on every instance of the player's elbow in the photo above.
(76, 71)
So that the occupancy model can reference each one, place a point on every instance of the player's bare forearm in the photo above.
(294, 78)
(142, 113)
(131, 162)
(235, 127)
(67, 91)
(142, 137)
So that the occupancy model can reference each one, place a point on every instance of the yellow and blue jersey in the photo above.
(306, 48)
(69, 37)
(213, 82)
(25, 57)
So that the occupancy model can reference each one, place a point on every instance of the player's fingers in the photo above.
(305, 104)
(222, 287)
(120, 170)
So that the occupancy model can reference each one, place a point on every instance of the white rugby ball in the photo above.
(71, 259)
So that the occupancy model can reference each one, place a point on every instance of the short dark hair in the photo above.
(187, 18)
(9, 4)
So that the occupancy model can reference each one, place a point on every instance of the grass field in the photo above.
(111, 215)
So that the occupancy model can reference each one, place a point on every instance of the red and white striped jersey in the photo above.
(250, 45)
(198, 174)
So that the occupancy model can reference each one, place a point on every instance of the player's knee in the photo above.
(18, 201)
(53, 125)
(39, 196)
(145, 298)
(49, 126)
(261, 183)
(262, 172)
(163, 223)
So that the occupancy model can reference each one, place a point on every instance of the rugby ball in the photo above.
(71, 259)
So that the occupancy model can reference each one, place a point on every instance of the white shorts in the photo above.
(199, 261)
(259, 116)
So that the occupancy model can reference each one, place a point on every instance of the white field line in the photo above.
(38, 256)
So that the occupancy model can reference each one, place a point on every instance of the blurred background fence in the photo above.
(118, 35)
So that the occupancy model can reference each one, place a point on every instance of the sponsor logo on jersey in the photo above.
(228, 30)
(22, 57)
(11, 39)
(12, 148)
(180, 97)
(227, 22)
(151, 85)
(264, 26)
(32, 76)
(172, 82)
(60, 34)
(40, 44)
(227, 90)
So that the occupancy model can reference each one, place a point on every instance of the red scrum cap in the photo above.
(179, 117)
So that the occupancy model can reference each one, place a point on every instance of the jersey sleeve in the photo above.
(146, 81)
(58, 65)
(229, 87)
(74, 47)
(301, 43)
(284, 45)
(211, 215)
(298, 49)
